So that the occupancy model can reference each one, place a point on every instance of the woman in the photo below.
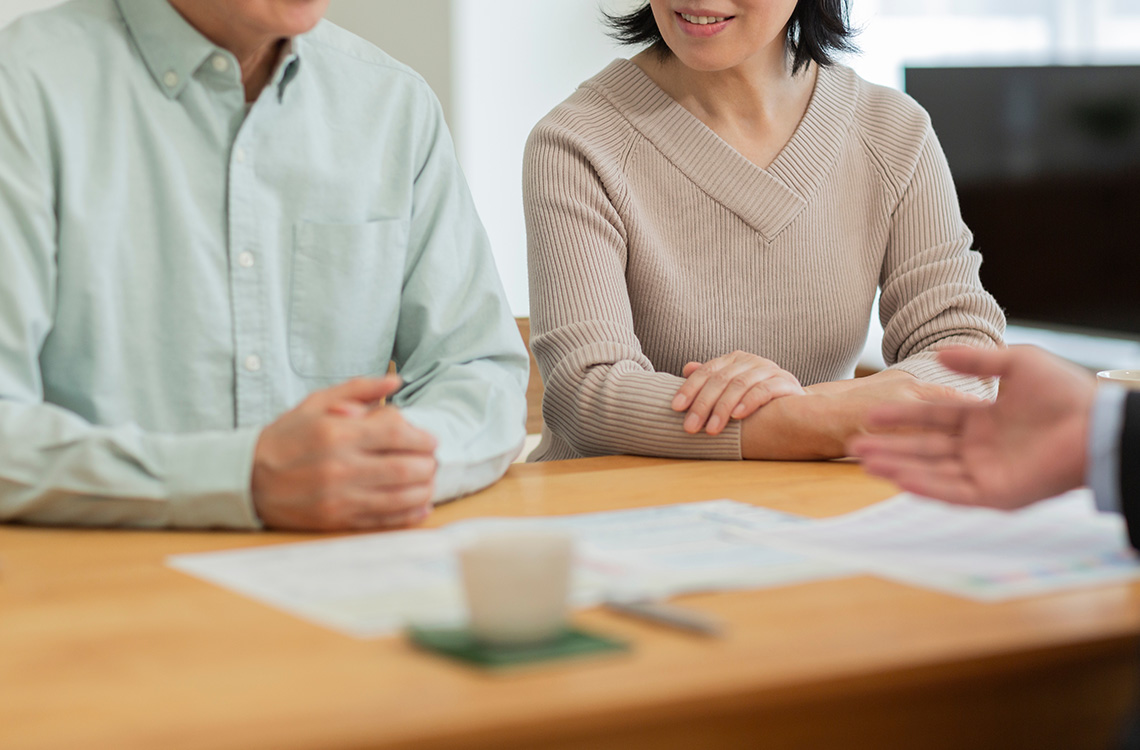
(707, 226)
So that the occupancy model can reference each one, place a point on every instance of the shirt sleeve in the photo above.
(1106, 422)
(932, 296)
(457, 345)
(55, 467)
(602, 395)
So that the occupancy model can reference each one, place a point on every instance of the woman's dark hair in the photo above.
(816, 31)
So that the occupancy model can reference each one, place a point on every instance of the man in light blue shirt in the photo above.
(219, 221)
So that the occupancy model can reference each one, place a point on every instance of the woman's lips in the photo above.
(701, 24)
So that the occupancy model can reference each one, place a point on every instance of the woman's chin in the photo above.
(708, 60)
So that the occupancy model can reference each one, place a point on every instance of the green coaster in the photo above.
(458, 643)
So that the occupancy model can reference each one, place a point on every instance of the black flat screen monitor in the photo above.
(1046, 161)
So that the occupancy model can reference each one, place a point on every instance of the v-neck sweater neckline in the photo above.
(767, 199)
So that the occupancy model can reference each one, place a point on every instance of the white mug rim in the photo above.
(1121, 374)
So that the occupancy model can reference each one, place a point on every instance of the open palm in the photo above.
(1026, 445)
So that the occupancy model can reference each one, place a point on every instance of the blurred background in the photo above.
(1036, 102)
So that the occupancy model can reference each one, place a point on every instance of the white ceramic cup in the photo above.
(517, 586)
(1125, 378)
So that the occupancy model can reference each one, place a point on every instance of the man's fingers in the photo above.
(942, 479)
(385, 429)
(980, 362)
(940, 417)
(349, 409)
(395, 470)
(401, 520)
(920, 445)
(392, 509)
(356, 391)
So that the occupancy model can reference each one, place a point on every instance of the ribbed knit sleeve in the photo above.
(932, 296)
(602, 394)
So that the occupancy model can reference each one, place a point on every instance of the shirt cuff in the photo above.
(1103, 466)
(208, 476)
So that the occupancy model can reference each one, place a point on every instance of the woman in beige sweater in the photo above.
(707, 226)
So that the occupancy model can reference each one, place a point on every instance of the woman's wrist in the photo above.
(818, 424)
(795, 428)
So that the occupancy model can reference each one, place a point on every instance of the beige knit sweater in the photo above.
(652, 242)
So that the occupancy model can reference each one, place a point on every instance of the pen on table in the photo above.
(669, 615)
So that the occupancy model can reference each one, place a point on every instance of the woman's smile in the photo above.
(701, 23)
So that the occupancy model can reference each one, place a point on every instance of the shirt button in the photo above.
(220, 63)
(253, 363)
(239, 154)
(245, 260)
(170, 79)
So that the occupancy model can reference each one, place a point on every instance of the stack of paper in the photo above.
(376, 584)
(973, 552)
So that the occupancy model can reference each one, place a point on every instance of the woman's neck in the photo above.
(754, 106)
(754, 91)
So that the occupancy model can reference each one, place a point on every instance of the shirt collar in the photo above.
(173, 49)
(288, 63)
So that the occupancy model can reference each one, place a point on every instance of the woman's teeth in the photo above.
(702, 20)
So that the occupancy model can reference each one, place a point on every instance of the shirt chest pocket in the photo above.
(345, 298)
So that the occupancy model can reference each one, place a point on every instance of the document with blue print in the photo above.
(977, 553)
(375, 584)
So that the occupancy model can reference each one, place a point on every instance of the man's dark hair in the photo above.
(816, 31)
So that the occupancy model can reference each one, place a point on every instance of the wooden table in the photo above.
(102, 646)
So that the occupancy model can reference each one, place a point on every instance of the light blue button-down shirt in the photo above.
(175, 273)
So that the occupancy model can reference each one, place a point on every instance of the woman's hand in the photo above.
(818, 425)
(730, 386)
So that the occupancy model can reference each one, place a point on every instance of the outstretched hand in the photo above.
(1027, 445)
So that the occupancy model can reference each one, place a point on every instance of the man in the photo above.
(1050, 429)
(219, 221)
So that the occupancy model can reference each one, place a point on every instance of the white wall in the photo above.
(511, 67)
(417, 33)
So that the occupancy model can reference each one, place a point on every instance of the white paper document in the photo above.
(375, 584)
(977, 553)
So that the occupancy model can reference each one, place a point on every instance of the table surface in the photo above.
(102, 645)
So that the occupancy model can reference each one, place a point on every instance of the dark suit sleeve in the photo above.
(1130, 467)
